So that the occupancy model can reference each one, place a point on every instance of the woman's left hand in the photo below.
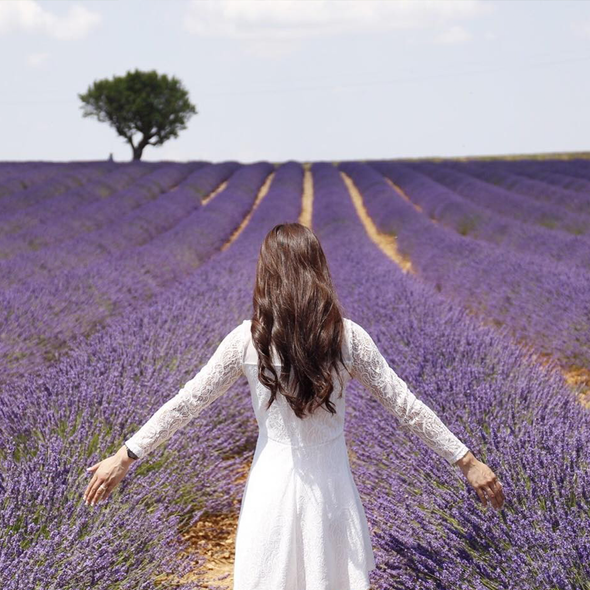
(107, 475)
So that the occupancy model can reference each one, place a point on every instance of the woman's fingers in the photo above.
(494, 493)
(102, 492)
(95, 492)
(106, 476)
(89, 487)
(491, 494)
(497, 488)
(108, 491)
(92, 488)
(482, 496)
(486, 484)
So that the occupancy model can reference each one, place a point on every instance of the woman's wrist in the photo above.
(466, 461)
(124, 457)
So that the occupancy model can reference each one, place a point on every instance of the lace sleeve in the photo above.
(214, 379)
(371, 369)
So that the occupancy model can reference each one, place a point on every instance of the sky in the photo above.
(303, 80)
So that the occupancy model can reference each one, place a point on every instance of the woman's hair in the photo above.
(296, 311)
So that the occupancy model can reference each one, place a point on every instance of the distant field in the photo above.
(120, 279)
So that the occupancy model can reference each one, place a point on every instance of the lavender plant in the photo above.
(506, 202)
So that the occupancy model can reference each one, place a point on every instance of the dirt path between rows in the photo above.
(307, 199)
(215, 192)
(386, 242)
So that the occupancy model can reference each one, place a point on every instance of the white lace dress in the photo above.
(301, 524)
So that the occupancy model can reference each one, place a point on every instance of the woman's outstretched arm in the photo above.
(213, 380)
(221, 370)
(372, 370)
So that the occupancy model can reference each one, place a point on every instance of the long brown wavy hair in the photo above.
(296, 310)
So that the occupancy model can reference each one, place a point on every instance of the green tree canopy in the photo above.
(153, 105)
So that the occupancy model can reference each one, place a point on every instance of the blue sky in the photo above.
(304, 80)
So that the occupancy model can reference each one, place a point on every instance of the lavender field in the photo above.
(120, 279)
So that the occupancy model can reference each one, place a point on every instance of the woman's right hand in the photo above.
(107, 474)
(482, 479)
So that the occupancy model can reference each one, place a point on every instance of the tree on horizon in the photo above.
(154, 105)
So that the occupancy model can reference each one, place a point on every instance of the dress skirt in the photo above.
(302, 525)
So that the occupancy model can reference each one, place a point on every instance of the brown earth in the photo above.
(386, 242)
(214, 193)
(307, 200)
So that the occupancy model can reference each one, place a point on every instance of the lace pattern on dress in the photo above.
(372, 370)
(221, 370)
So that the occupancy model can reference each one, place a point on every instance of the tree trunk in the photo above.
(137, 151)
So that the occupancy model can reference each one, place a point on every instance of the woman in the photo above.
(301, 522)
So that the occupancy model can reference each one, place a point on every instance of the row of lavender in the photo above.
(100, 394)
(20, 189)
(470, 212)
(571, 174)
(567, 187)
(73, 218)
(18, 176)
(47, 208)
(537, 300)
(507, 202)
(429, 529)
(139, 241)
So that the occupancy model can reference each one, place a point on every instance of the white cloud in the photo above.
(30, 16)
(36, 59)
(453, 35)
(295, 19)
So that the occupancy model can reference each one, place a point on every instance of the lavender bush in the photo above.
(513, 179)
(40, 315)
(18, 176)
(506, 202)
(20, 231)
(69, 178)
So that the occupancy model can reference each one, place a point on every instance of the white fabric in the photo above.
(301, 525)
